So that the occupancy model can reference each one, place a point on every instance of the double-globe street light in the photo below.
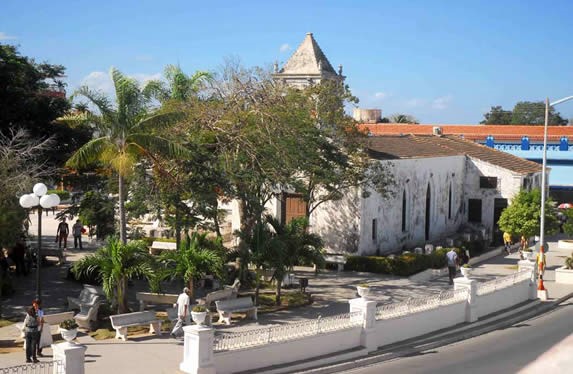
(39, 199)
(540, 286)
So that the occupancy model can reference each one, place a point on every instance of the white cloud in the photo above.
(442, 102)
(4, 36)
(284, 48)
(381, 95)
(415, 103)
(144, 78)
(101, 81)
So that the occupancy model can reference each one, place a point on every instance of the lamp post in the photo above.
(541, 263)
(41, 200)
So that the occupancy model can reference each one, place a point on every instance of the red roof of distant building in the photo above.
(473, 132)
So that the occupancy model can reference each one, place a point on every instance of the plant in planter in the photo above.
(69, 330)
(363, 290)
(569, 262)
(198, 314)
(466, 270)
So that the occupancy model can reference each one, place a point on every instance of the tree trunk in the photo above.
(177, 228)
(122, 306)
(278, 293)
(257, 285)
(122, 223)
(191, 286)
(216, 220)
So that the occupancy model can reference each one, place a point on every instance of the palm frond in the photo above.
(158, 145)
(157, 121)
(89, 152)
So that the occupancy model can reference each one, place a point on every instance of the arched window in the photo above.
(404, 211)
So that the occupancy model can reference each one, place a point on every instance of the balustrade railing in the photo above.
(484, 288)
(419, 304)
(290, 331)
(42, 367)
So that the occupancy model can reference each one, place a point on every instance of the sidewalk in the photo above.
(331, 292)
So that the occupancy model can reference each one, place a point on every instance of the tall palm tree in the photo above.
(179, 86)
(115, 264)
(126, 132)
(197, 257)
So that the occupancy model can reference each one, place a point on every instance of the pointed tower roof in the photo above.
(308, 59)
(307, 65)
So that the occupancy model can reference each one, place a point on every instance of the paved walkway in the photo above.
(331, 292)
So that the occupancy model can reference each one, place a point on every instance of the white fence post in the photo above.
(198, 350)
(71, 357)
(471, 286)
(368, 309)
(530, 265)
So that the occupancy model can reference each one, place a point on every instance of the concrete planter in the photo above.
(466, 272)
(364, 292)
(68, 335)
(199, 317)
(563, 275)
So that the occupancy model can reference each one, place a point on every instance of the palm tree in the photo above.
(115, 264)
(197, 257)
(179, 86)
(403, 118)
(126, 133)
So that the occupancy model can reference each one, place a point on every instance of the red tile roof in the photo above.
(474, 132)
(388, 147)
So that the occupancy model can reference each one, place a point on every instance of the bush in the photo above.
(402, 265)
(69, 324)
(63, 194)
(199, 309)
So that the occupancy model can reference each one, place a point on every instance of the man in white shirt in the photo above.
(452, 258)
(182, 313)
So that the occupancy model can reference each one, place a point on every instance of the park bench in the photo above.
(87, 315)
(338, 260)
(51, 319)
(228, 292)
(120, 322)
(154, 298)
(86, 298)
(241, 304)
(157, 247)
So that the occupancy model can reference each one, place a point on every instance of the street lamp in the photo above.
(41, 200)
(540, 286)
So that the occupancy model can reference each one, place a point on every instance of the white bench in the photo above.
(145, 298)
(228, 292)
(50, 319)
(120, 322)
(87, 315)
(87, 298)
(54, 252)
(157, 247)
(339, 260)
(241, 304)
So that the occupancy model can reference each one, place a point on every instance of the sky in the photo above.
(442, 61)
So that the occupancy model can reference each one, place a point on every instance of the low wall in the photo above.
(285, 352)
(393, 330)
(502, 298)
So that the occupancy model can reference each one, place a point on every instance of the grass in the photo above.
(289, 300)
(512, 267)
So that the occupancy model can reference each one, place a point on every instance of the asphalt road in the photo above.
(507, 350)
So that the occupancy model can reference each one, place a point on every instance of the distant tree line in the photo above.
(523, 113)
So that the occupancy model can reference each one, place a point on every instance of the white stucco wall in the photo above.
(413, 176)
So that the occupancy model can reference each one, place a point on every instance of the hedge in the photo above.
(402, 265)
(64, 195)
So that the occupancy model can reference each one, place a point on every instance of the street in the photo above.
(507, 350)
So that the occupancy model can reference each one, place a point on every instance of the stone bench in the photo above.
(339, 260)
(145, 298)
(157, 247)
(228, 292)
(120, 322)
(50, 319)
(87, 315)
(241, 304)
(86, 298)
(54, 252)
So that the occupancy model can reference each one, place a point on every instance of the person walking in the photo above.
(45, 332)
(77, 229)
(507, 242)
(453, 260)
(182, 306)
(62, 234)
(32, 335)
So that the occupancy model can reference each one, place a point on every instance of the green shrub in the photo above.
(402, 265)
(63, 194)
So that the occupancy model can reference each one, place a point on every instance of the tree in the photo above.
(403, 118)
(522, 216)
(127, 133)
(497, 116)
(179, 87)
(116, 264)
(32, 97)
(197, 257)
(22, 163)
(96, 211)
(523, 113)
